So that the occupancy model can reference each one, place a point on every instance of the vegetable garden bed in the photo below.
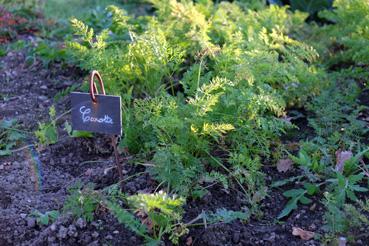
(244, 123)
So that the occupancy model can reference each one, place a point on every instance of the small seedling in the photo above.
(47, 133)
(82, 201)
(345, 187)
(298, 196)
(45, 218)
(160, 213)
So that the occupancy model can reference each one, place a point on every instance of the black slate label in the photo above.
(104, 116)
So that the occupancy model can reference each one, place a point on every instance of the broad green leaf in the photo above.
(351, 195)
(15, 136)
(293, 192)
(291, 205)
(341, 180)
(68, 128)
(44, 219)
(75, 133)
(82, 134)
(311, 188)
(284, 181)
(229, 215)
(54, 214)
(5, 152)
(304, 200)
(356, 178)
(358, 188)
(51, 134)
(279, 183)
(7, 123)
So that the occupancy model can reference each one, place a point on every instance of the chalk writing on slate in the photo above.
(104, 116)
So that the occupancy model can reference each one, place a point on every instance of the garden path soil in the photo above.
(26, 94)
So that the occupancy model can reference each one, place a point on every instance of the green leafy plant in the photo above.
(345, 187)
(201, 78)
(304, 160)
(343, 219)
(164, 214)
(10, 136)
(82, 201)
(336, 112)
(76, 133)
(47, 133)
(65, 92)
(3, 51)
(47, 52)
(130, 221)
(350, 30)
(298, 196)
(45, 218)
(224, 215)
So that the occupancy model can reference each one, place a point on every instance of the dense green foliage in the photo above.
(213, 92)
(207, 87)
(350, 34)
(212, 75)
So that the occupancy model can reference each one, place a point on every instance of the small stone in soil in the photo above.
(270, 237)
(53, 227)
(312, 227)
(42, 98)
(62, 234)
(109, 237)
(85, 238)
(72, 231)
(31, 222)
(51, 239)
(95, 234)
(81, 223)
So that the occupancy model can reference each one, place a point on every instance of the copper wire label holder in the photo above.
(100, 113)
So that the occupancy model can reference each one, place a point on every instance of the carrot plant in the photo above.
(206, 89)
(204, 76)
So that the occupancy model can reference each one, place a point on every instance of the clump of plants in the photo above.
(155, 217)
(207, 89)
(200, 85)
(349, 35)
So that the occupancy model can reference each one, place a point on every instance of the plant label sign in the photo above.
(102, 116)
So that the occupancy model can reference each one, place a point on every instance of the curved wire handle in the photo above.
(93, 91)
(93, 88)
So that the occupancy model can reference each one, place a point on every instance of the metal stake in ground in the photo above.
(93, 91)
